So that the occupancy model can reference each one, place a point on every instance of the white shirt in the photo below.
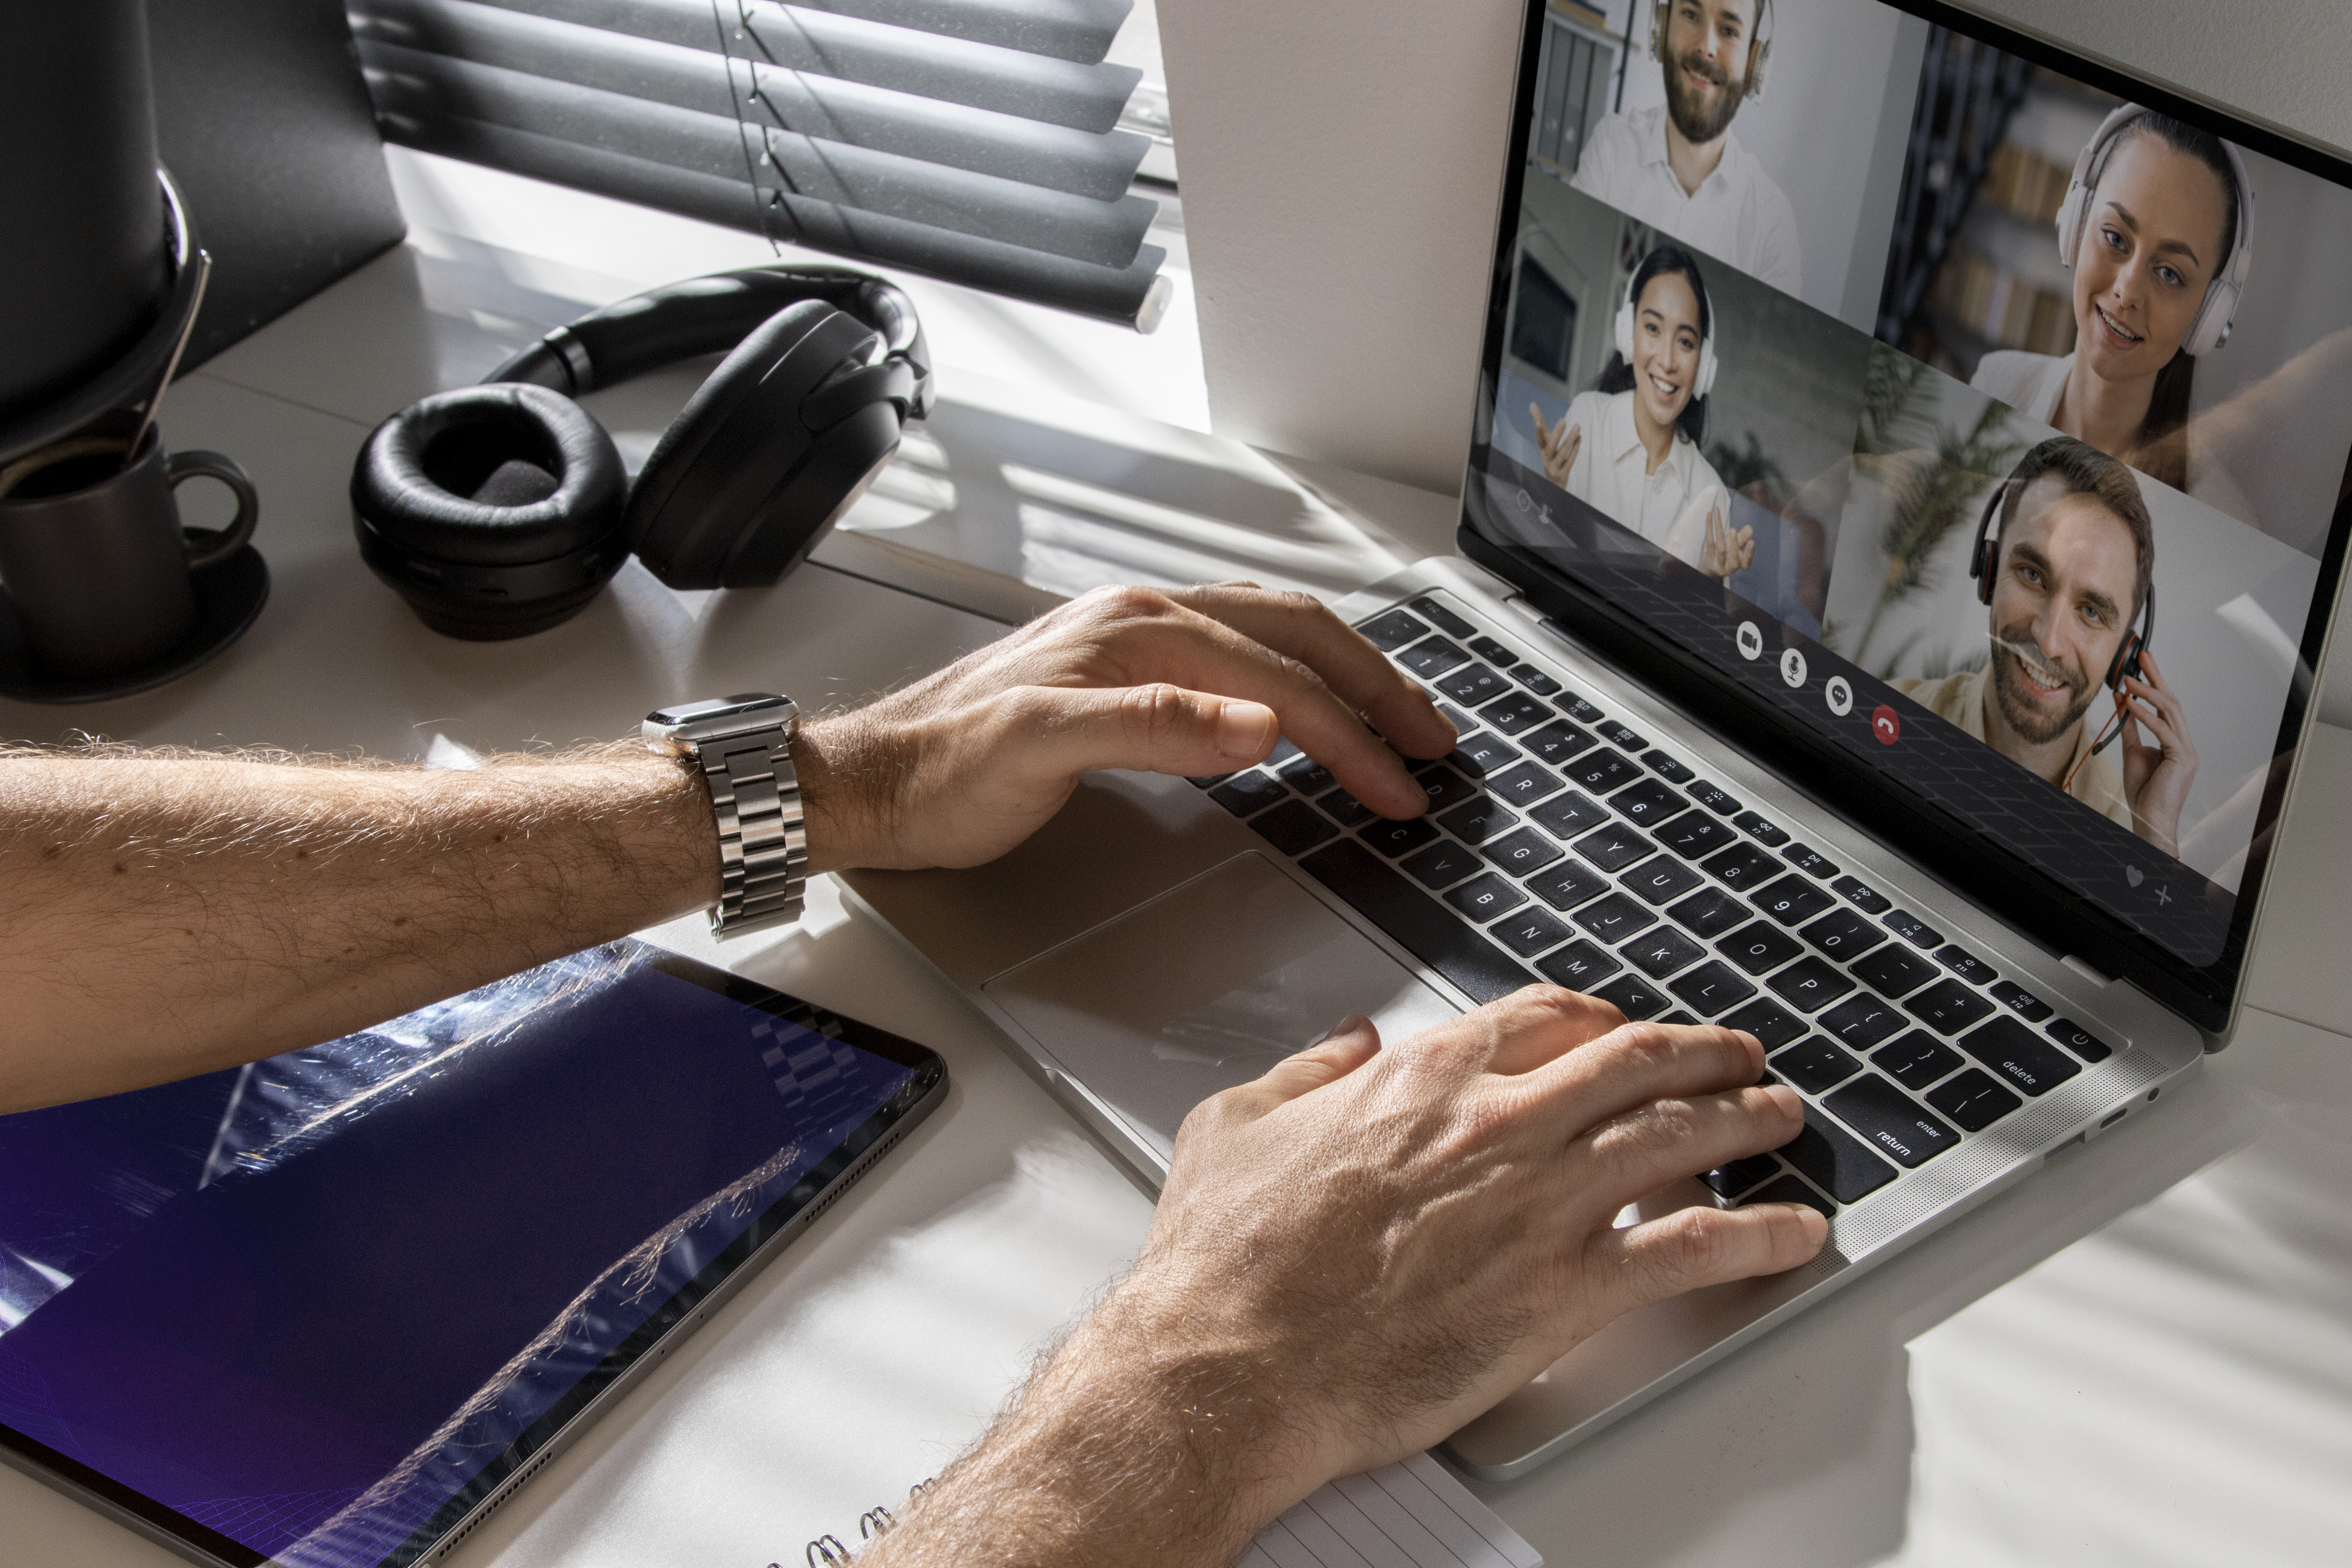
(1668, 508)
(2032, 385)
(1738, 213)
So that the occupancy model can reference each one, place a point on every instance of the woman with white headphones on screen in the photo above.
(2158, 228)
(1631, 446)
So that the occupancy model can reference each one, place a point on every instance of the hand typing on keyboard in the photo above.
(1354, 1254)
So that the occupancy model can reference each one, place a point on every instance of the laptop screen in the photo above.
(1961, 424)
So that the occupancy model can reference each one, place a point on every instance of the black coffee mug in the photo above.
(92, 551)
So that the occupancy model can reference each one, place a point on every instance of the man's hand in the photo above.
(2157, 774)
(1559, 443)
(960, 767)
(1354, 1254)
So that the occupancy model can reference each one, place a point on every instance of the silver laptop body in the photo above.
(1163, 939)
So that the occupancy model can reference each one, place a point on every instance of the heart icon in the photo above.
(2131, 875)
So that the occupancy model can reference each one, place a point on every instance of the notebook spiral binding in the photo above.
(827, 1550)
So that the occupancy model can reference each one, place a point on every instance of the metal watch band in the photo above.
(762, 839)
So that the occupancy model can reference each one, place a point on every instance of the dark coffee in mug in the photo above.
(92, 552)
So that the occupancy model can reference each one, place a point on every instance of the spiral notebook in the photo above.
(1413, 1514)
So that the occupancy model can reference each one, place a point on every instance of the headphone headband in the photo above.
(2209, 329)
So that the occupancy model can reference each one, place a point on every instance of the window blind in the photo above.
(976, 140)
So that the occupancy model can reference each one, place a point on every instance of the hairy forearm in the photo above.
(168, 915)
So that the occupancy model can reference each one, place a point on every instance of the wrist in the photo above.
(846, 784)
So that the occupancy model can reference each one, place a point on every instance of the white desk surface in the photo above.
(2138, 1357)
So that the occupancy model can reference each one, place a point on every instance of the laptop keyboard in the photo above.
(1563, 845)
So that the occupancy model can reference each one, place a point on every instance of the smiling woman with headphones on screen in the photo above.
(2157, 227)
(1631, 446)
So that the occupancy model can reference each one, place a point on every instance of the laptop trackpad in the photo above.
(1206, 987)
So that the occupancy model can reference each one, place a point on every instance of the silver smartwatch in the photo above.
(744, 747)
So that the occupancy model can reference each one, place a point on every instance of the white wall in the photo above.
(1343, 160)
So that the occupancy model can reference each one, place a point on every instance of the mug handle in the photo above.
(214, 466)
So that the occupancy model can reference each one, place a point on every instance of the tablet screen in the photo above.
(315, 1308)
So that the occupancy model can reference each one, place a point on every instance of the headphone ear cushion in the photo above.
(1625, 329)
(503, 475)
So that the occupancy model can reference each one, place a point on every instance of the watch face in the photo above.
(715, 708)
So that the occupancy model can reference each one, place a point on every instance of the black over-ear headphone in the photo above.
(1984, 566)
(501, 509)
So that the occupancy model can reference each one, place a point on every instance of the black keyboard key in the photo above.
(1661, 951)
(1711, 988)
(2078, 1040)
(1973, 1101)
(1305, 776)
(1493, 652)
(1812, 983)
(1472, 684)
(1578, 708)
(1568, 814)
(1967, 965)
(1678, 1016)
(1444, 786)
(1805, 859)
(1517, 712)
(2020, 1057)
(1648, 803)
(1522, 851)
(2020, 1001)
(1530, 932)
(1743, 866)
(1523, 785)
(1613, 847)
(1446, 619)
(1814, 1065)
(1393, 630)
(1731, 1181)
(1484, 753)
(1395, 838)
(1483, 818)
(1293, 827)
(1788, 1190)
(1914, 930)
(1345, 809)
(1462, 723)
(1862, 896)
(1621, 735)
(1633, 996)
(1486, 897)
(1758, 829)
(1713, 797)
(1601, 772)
(1770, 1023)
(1433, 657)
(1246, 793)
(1556, 742)
(1614, 918)
(1694, 835)
(1833, 1160)
(1425, 928)
(1441, 865)
(1886, 1117)
(1790, 900)
(1667, 768)
(1203, 781)
(1916, 1060)
(1709, 912)
(1947, 1007)
(1862, 1020)
(1284, 752)
(1760, 947)
(1894, 971)
(1579, 966)
(1843, 934)
(1662, 879)
(1567, 885)
(1535, 680)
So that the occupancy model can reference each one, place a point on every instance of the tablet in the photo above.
(334, 1307)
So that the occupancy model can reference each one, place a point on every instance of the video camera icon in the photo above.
(1749, 640)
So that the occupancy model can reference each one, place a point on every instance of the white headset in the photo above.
(1705, 382)
(1760, 43)
(2210, 330)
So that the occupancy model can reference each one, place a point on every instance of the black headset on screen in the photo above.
(1760, 43)
(501, 509)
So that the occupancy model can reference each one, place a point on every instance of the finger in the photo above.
(1662, 1140)
(1698, 1247)
(1352, 1042)
(1300, 627)
(1543, 431)
(1521, 1031)
(1156, 728)
(1636, 1063)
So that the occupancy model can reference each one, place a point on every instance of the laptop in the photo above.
(1794, 592)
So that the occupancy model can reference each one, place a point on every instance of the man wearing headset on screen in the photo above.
(1676, 166)
(2064, 559)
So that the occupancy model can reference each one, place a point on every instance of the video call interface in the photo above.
(306, 1304)
(1992, 424)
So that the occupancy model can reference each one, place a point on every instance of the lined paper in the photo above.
(1409, 1515)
